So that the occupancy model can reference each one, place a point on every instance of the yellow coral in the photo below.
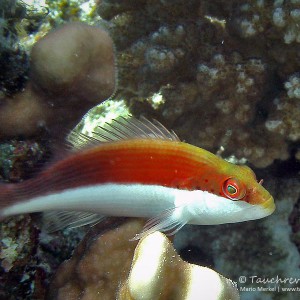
(157, 272)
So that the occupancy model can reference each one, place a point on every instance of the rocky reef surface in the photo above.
(224, 75)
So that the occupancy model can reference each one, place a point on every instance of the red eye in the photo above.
(234, 189)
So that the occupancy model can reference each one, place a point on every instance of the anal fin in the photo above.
(58, 220)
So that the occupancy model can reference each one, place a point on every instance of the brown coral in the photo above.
(74, 61)
(72, 70)
(212, 89)
(285, 118)
(24, 113)
(101, 267)
(98, 265)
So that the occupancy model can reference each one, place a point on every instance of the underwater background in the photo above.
(224, 75)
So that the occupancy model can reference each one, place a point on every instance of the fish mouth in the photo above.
(269, 205)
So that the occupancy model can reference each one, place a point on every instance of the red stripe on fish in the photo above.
(164, 163)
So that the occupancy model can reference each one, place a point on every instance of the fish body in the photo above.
(139, 169)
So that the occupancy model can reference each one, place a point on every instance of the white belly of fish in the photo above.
(170, 208)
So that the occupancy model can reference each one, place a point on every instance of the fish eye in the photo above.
(231, 189)
(234, 189)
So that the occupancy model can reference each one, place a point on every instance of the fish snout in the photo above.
(269, 205)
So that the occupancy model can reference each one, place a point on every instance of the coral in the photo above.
(232, 104)
(155, 268)
(285, 118)
(279, 20)
(28, 257)
(13, 249)
(61, 11)
(80, 64)
(274, 25)
(19, 158)
(293, 86)
(43, 16)
(98, 265)
(109, 265)
(14, 60)
(19, 269)
(222, 74)
(198, 72)
(100, 114)
(71, 68)
(197, 68)
(25, 113)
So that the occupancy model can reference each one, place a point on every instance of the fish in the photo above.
(137, 168)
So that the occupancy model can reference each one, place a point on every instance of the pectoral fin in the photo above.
(169, 221)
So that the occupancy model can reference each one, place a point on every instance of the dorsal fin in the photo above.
(122, 128)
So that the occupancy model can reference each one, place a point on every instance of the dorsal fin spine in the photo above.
(122, 128)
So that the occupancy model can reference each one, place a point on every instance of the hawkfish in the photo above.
(137, 168)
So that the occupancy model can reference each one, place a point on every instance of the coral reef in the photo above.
(213, 82)
(19, 266)
(21, 249)
(61, 11)
(273, 25)
(18, 159)
(13, 59)
(278, 20)
(28, 257)
(285, 113)
(72, 69)
(107, 265)
(283, 119)
(99, 115)
(43, 15)
(223, 74)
